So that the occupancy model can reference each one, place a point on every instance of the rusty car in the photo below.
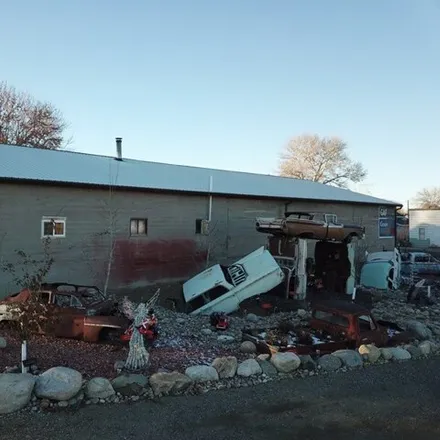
(77, 311)
(315, 226)
(334, 325)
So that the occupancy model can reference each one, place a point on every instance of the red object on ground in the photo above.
(266, 306)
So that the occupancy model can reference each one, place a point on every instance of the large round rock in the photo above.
(370, 351)
(285, 362)
(329, 362)
(249, 367)
(169, 383)
(226, 366)
(202, 373)
(15, 391)
(400, 354)
(58, 383)
(99, 388)
(349, 358)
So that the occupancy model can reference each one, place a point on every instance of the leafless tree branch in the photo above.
(323, 160)
(29, 122)
(428, 198)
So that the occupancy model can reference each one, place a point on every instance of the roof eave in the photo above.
(164, 190)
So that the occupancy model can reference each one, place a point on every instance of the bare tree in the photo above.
(29, 122)
(428, 198)
(323, 160)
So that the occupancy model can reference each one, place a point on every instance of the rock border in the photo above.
(223, 373)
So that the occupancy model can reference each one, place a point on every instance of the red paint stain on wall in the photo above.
(139, 260)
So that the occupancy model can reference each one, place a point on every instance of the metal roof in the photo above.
(25, 163)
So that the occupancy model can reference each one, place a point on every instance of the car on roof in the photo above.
(334, 325)
(315, 226)
(77, 311)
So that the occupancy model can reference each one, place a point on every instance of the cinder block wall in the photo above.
(170, 251)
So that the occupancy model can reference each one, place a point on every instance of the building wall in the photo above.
(170, 251)
(423, 222)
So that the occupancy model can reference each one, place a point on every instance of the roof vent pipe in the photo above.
(119, 148)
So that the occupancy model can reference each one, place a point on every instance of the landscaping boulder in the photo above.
(202, 373)
(400, 354)
(414, 351)
(307, 363)
(3, 343)
(419, 330)
(248, 347)
(15, 391)
(328, 362)
(127, 379)
(267, 368)
(99, 388)
(58, 383)
(370, 351)
(249, 367)
(130, 384)
(386, 353)
(285, 362)
(425, 348)
(169, 383)
(226, 366)
(349, 358)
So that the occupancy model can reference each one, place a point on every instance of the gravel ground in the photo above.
(392, 401)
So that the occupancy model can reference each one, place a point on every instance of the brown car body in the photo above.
(335, 325)
(80, 312)
(314, 226)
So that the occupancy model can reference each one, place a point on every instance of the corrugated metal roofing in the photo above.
(33, 164)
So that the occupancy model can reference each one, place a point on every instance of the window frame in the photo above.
(199, 226)
(53, 219)
(424, 233)
(333, 216)
(388, 218)
(138, 219)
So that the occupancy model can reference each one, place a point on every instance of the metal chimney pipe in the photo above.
(119, 148)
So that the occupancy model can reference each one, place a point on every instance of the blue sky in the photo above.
(226, 83)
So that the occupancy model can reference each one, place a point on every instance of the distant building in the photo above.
(152, 222)
(424, 227)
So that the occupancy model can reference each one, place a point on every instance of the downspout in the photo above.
(208, 252)
(210, 199)
(396, 208)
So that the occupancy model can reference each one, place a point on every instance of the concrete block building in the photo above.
(144, 223)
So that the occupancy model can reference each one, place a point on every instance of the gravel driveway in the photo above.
(383, 402)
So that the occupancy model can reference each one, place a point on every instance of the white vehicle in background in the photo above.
(222, 288)
(382, 270)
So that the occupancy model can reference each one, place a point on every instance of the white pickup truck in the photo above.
(222, 288)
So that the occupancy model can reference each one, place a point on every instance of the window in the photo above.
(53, 227)
(422, 234)
(138, 226)
(199, 223)
(386, 227)
(331, 318)
(62, 300)
(366, 324)
(331, 218)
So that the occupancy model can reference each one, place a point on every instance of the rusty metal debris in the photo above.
(334, 325)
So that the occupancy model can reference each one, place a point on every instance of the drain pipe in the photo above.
(210, 198)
